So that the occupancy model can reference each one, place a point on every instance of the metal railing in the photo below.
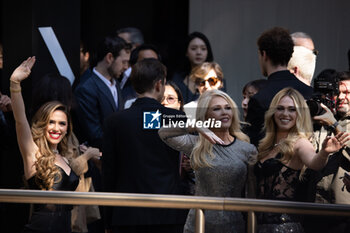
(174, 201)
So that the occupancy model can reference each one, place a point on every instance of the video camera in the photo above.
(326, 88)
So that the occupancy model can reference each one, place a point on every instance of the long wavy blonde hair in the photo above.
(302, 128)
(46, 171)
(202, 153)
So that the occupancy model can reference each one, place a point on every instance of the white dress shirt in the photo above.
(110, 84)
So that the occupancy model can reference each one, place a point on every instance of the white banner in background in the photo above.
(57, 53)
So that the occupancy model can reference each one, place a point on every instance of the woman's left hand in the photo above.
(333, 144)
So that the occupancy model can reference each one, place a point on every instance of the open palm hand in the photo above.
(210, 136)
(333, 144)
(23, 70)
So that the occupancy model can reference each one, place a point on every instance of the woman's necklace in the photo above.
(55, 151)
(279, 142)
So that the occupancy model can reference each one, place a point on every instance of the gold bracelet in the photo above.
(14, 81)
(15, 90)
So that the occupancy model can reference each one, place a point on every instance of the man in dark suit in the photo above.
(100, 95)
(275, 50)
(135, 159)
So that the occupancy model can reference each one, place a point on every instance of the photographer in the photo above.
(328, 185)
(326, 91)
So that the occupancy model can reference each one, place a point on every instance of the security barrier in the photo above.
(174, 201)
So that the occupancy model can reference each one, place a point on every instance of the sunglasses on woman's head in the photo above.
(212, 81)
(170, 99)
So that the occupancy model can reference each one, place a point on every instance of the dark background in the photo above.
(163, 23)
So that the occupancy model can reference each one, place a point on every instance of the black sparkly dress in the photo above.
(276, 181)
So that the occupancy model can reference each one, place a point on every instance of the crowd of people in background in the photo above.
(120, 129)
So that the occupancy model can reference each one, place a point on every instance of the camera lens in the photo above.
(315, 108)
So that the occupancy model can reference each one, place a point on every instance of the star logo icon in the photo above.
(156, 116)
(151, 120)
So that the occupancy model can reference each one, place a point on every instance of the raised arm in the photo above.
(316, 161)
(179, 138)
(24, 136)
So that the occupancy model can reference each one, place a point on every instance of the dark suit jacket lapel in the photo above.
(120, 97)
(101, 86)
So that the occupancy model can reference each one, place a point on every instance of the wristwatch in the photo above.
(334, 126)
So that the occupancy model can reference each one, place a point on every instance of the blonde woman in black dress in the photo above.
(284, 152)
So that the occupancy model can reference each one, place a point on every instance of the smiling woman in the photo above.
(286, 114)
(284, 152)
(219, 157)
(44, 147)
(50, 131)
(56, 128)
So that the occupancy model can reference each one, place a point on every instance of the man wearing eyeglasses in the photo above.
(275, 48)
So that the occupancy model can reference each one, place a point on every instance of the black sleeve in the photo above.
(89, 112)
(255, 117)
(108, 164)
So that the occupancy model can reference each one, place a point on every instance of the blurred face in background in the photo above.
(343, 103)
(305, 42)
(197, 52)
(84, 60)
(147, 53)
(170, 99)
(126, 36)
(247, 94)
(210, 82)
(119, 64)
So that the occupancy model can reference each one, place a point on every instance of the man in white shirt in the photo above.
(100, 95)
